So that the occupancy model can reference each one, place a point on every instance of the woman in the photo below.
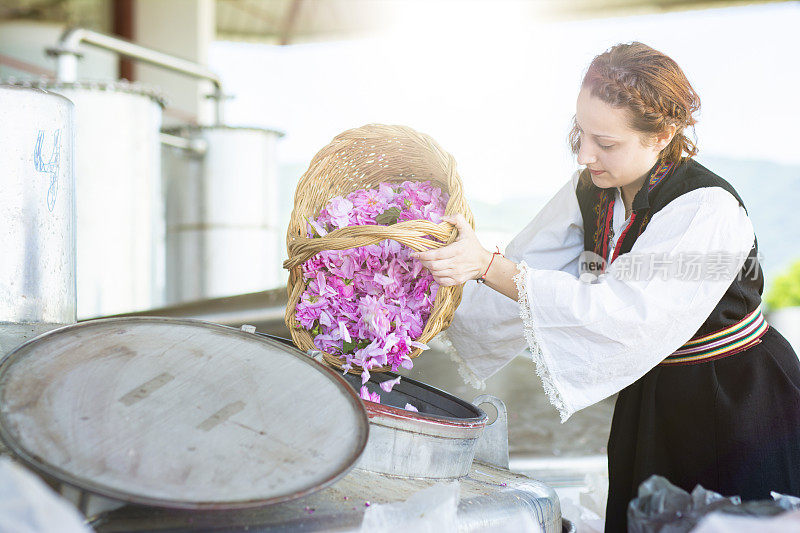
(640, 277)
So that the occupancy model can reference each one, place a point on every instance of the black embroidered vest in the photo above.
(666, 183)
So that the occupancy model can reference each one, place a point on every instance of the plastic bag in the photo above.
(432, 510)
(585, 520)
(588, 513)
(27, 505)
(661, 507)
(719, 522)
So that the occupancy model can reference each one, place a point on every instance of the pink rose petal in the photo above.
(389, 384)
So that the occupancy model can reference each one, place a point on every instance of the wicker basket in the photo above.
(358, 159)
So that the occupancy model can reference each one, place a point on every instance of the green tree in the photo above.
(785, 290)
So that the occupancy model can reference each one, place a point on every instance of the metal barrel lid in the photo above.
(178, 413)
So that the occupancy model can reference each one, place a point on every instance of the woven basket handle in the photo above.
(411, 233)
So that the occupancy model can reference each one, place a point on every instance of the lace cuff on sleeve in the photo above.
(533, 339)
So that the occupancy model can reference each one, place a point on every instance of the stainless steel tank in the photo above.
(222, 213)
(159, 429)
(437, 442)
(491, 499)
(37, 214)
(120, 213)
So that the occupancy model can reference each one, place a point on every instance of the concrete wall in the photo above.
(23, 45)
(186, 29)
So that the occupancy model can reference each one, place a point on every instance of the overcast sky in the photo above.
(498, 91)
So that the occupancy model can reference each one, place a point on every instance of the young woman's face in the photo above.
(613, 152)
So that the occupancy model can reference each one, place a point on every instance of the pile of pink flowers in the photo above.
(368, 304)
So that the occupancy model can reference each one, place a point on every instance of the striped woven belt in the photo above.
(728, 341)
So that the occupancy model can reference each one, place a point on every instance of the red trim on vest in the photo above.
(622, 237)
(607, 227)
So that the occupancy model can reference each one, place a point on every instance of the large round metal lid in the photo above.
(178, 413)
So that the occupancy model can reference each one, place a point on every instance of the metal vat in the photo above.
(37, 214)
(222, 213)
(120, 208)
(120, 213)
(492, 499)
(438, 442)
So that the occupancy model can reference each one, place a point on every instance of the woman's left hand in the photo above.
(461, 261)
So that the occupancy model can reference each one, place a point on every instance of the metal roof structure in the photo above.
(297, 21)
(293, 21)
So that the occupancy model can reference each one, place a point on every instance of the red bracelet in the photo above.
(482, 279)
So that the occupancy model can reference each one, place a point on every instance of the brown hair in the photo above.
(654, 90)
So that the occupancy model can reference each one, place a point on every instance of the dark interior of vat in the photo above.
(430, 401)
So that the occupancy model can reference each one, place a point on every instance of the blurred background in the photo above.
(192, 220)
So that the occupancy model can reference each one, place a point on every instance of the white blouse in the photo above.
(591, 340)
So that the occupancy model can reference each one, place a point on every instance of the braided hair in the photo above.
(653, 89)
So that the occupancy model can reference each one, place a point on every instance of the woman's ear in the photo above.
(663, 139)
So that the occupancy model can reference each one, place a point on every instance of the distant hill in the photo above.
(510, 215)
(771, 194)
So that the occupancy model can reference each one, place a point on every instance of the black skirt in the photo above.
(731, 425)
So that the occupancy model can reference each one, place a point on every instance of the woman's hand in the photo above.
(460, 261)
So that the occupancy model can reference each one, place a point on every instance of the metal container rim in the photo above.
(400, 413)
(41, 91)
(397, 412)
(194, 128)
(103, 86)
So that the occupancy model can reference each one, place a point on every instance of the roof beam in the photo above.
(289, 22)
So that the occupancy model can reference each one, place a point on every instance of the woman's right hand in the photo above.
(463, 260)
